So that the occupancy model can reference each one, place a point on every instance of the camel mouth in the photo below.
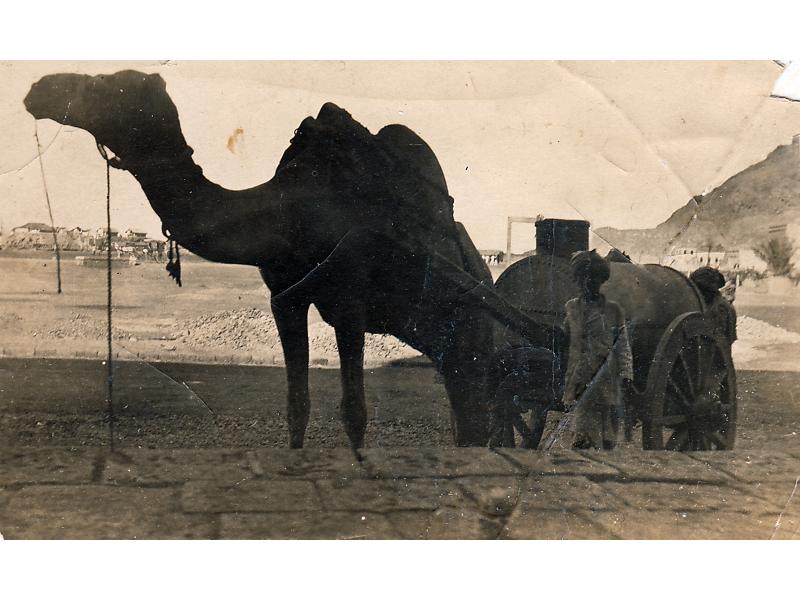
(51, 96)
(34, 102)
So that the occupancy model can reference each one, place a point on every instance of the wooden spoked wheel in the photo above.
(690, 402)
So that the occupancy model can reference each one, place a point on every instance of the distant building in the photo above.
(745, 259)
(102, 232)
(130, 234)
(33, 228)
(686, 259)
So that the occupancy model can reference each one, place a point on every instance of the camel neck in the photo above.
(175, 187)
(202, 216)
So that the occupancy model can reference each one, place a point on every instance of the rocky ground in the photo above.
(244, 330)
(250, 336)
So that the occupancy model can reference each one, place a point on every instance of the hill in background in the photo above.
(737, 214)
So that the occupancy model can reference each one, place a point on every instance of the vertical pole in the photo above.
(508, 240)
(110, 357)
(49, 209)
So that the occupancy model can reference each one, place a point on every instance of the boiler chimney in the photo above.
(561, 237)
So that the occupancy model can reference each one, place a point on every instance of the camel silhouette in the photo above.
(349, 222)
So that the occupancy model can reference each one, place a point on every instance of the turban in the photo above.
(589, 263)
(707, 279)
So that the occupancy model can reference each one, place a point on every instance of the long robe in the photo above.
(724, 315)
(599, 359)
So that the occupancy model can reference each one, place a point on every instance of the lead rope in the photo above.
(49, 208)
(109, 335)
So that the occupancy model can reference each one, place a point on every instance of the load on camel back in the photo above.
(359, 225)
(393, 175)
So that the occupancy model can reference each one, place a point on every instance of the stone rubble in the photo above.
(255, 329)
(252, 331)
(752, 330)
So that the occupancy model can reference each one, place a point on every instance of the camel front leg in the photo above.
(293, 330)
(350, 341)
(470, 414)
(465, 378)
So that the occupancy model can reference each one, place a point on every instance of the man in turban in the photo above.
(600, 366)
(709, 281)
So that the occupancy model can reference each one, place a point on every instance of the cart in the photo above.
(684, 377)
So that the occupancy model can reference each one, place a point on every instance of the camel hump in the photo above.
(418, 176)
(340, 122)
(402, 144)
(332, 124)
(394, 171)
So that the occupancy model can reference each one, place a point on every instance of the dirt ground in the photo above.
(192, 405)
(169, 396)
(147, 304)
(220, 315)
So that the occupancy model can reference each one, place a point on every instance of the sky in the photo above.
(621, 144)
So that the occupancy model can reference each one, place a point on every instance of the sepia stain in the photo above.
(234, 139)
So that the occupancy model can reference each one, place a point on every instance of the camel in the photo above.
(348, 222)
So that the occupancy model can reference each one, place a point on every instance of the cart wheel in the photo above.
(690, 402)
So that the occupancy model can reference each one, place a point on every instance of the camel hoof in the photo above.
(357, 445)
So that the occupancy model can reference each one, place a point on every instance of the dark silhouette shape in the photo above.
(617, 255)
(348, 223)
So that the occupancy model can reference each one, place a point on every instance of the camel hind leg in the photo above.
(292, 326)
(350, 341)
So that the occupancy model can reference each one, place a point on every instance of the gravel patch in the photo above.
(755, 339)
(754, 330)
(254, 329)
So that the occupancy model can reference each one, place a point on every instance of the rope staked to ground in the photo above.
(49, 208)
(109, 336)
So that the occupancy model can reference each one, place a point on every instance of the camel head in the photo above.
(128, 112)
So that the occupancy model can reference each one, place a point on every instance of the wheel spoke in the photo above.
(705, 366)
(702, 356)
(688, 373)
(535, 429)
(520, 425)
(683, 398)
(714, 381)
(672, 420)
